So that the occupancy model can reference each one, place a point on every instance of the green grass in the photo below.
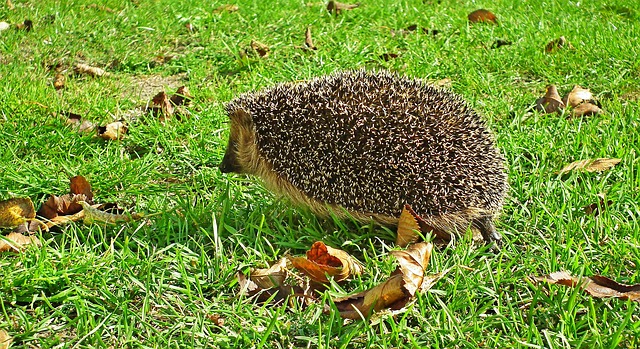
(156, 282)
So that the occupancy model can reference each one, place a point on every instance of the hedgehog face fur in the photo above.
(368, 143)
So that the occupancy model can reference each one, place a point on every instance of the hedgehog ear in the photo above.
(241, 117)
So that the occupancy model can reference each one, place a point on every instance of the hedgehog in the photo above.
(364, 144)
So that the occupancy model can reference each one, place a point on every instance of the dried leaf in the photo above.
(113, 131)
(181, 97)
(5, 339)
(551, 101)
(16, 211)
(161, 106)
(408, 228)
(92, 214)
(308, 41)
(407, 232)
(226, 8)
(262, 49)
(590, 165)
(323, 261)
(558, 43)
(271, 277)
(58, 82)
(4, 26)
(10, 5)
(81, 68)
(482, 15)
(80, 186)
(17, 242)
(217, 319)
(578, 96)
(335, 7)
(396, 291)
(597, 286)
(585, 109)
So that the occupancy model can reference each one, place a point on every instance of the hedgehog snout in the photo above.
(230, 162)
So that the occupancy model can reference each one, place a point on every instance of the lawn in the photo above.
(169, 280)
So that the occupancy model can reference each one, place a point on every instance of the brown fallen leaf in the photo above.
(323, 261)
(308, 41)
(271, 277)
(226, 8)
(585, 109)
(336, 8)
(482, 16)
(590, 165)
(217, 319)
(86, 69)
(58, 82)
(161, 106)
(5, 339)
(17, 242)
(27, 25)
(578, 96)
(262, 49)
(112, 131)
(410, 224)
(396, 291)
(75, 120)
(551, 101)
(10, 5)
(557, 44)
(595, 208)
(67, 204)
(597, 286)
(15, 212)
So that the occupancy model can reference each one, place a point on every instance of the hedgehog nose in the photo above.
(228, 163)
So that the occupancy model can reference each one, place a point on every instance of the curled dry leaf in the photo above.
(396, 291)
(590, 165)
(271, 277)
(551, 101)
(58, 81)
(585, 109)
(17, 242)
(226, 8)
(578, 96)
(65, 205)
(410, 224)
(217, 319)
(337, 7)
(597, 286)
(262, 49)
(92, 214)
(5, 339)
(308, 41)
(558, 43)
(86, 69)
(16, 211)
(323, 261)
(113, 131)
(482, 15)
(162, 106)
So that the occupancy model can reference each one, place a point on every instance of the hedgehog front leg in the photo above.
(487, 229)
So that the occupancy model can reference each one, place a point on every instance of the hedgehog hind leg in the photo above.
(488, 229)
